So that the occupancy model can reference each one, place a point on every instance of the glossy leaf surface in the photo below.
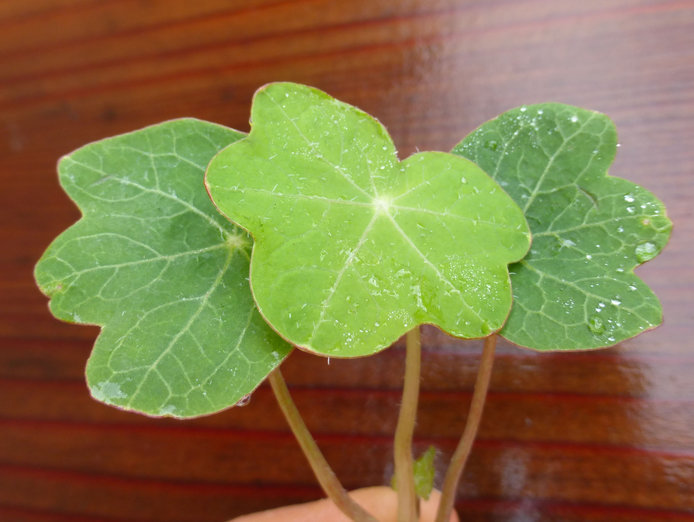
(352, 247)
(576, 288)
(154, 264)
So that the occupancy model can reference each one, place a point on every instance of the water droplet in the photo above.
(169, 409)
(629, 198)
(574, 118)
(463, 181)
(616, 302)
(646, 251)
(596, 325)
(244, 401)
(523, 109)
(491, 144)
(588, 256)
(107, 391)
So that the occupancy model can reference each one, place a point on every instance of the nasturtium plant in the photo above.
(352, 247)
(164, 274)
(319, 236)
(576, 287)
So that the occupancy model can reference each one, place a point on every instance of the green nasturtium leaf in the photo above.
(352, 247)
(576, 288)
(154, 264)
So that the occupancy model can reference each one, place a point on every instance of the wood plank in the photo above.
(534, 417)
(558, 471)
(70, 495)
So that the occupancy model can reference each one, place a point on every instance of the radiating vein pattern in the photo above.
(576, 288)
(354, 247)
(166, 276)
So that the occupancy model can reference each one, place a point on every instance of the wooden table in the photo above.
(600, 436)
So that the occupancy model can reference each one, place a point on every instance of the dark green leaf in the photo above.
(154, 263)
(576, 288)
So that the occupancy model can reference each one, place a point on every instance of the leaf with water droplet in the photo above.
(590, 230)
(596, 325)
(646, 251)
(358, 245)
(154, 264)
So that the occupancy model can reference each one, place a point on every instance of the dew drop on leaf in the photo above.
(245, 401)
(645, 251)
(596, 325)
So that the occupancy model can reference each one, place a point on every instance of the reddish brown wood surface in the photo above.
(601, 436)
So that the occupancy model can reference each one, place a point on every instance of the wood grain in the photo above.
(599, 436)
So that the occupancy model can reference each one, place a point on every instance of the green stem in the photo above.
(408, 503)
(455, 469)
(325, 475)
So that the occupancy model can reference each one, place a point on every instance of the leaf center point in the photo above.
(382, 204)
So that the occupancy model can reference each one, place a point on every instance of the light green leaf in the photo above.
(154, 263)
(352, 247)
(576, 288)
(424, 474)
